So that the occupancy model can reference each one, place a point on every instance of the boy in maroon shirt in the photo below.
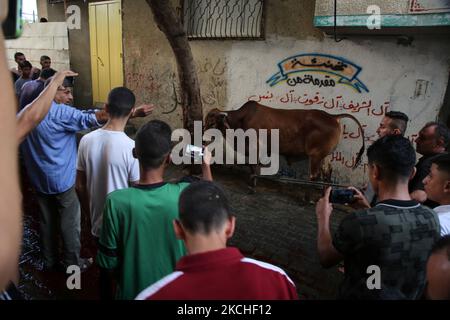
(212, 271)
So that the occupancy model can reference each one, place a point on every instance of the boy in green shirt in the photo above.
(137, 243)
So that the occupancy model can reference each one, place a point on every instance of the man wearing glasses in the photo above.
(50, 154)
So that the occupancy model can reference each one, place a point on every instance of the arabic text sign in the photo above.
(345, 71)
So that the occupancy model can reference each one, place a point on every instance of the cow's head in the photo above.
(217, 119)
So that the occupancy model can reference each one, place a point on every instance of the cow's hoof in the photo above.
(251, 190)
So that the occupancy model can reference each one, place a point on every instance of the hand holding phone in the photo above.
(359, 200)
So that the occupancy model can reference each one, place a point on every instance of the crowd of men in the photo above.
(161, 240)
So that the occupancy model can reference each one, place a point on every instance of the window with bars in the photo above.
(224, 19)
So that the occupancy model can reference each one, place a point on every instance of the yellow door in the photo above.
(105, 28)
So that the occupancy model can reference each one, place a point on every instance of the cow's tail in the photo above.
(361, 151)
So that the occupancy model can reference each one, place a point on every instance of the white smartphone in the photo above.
(196, 153)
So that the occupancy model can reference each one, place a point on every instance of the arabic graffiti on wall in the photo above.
(334, 70)
(162, 85)
(364, 106)
(211, 74)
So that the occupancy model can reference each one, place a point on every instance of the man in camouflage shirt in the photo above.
(391, 241)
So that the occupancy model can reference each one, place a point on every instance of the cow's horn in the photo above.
(224, 114)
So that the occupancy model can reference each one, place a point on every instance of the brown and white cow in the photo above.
(311, 133)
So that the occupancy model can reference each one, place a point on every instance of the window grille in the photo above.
(224, 19)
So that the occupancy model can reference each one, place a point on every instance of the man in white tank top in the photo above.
(105, 159)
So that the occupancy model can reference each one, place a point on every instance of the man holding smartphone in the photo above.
(395, 236)
(138, 245)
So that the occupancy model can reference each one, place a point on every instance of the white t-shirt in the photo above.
(107, 159)
(444, 219)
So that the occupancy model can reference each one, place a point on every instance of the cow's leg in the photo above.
(326, 172)
(255, 171)
(315, 163)
(318, 147)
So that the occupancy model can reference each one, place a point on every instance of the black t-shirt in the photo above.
(397, 236)
(423, 167)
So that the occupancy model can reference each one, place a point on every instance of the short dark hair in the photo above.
(153, 144)
(400, 120)
(25, 64)
(441, 245)
(68, 81)
(47, 73)
(45, 58)
(120, 102)
(203, 207)
(442, 132)
(395, 156)
(442, 161)
(18, 54)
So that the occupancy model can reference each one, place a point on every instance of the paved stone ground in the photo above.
(276, 225)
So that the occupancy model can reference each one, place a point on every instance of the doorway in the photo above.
(105, 29)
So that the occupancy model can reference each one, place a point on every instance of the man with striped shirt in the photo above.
(212, 271)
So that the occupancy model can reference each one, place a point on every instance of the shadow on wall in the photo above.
(444, 114)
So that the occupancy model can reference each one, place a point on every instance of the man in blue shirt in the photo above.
(50, 154)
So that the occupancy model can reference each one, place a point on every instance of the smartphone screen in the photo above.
(12, 26)
(342, 196)
(194, 152)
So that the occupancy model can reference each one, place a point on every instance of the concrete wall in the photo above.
(411, 79)
(350, 7)
(39, 39)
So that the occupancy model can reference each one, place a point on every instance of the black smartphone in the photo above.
(69, 82)
(342, 196)
(13, 24)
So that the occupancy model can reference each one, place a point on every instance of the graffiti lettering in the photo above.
(159, 86)
(309, 79)
(318, 62)
(345, 71)
(218, 68)
(139, 81)
(413, 138)
(212, 81)
(352, 135)
(337, 157)
(337, 103)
